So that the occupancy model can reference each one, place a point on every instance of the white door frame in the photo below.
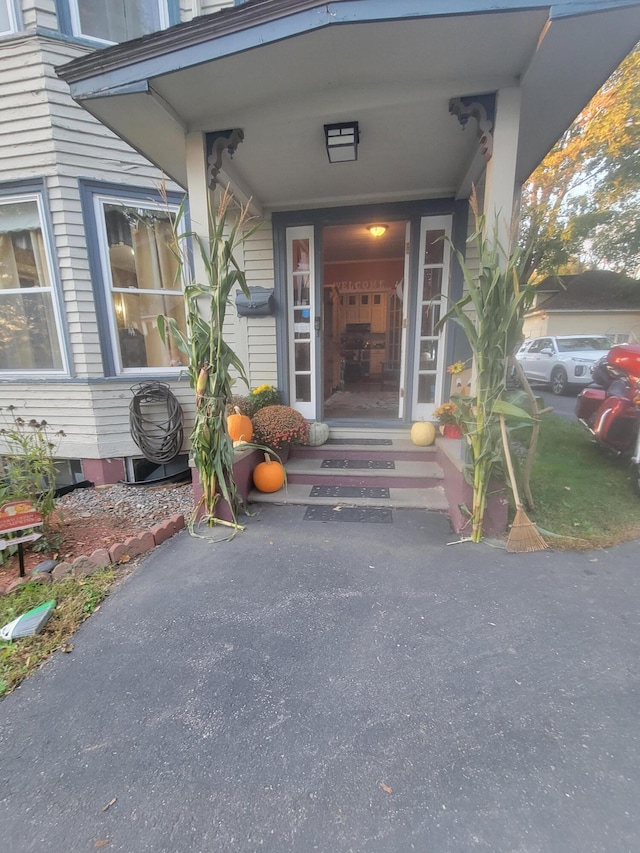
(301, 320)
(436, 341)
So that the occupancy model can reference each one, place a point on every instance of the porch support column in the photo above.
(500, 185)
(199, 197)
(196, 159)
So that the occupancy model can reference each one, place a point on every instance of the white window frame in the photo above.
(76, 26)
(13, 18)
(99, 201)
(20, 198)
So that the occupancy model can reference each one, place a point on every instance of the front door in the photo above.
(353, 308)
(363, 275)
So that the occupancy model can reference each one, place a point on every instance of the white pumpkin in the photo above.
(423, 433)
(318, 434)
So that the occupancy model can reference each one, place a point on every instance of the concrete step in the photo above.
(432, 498)
(400, 448)
(405, 474)
(415, 481)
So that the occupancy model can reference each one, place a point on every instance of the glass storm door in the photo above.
(433, 288)
(405, 320)
(303, 320)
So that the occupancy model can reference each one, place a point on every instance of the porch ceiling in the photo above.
(395, 78)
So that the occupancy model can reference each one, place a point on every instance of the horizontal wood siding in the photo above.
(193, 8)
(208, 7)
(39, 13)
(260, 331)
(111, 408)
(94, 417)
(26, 137)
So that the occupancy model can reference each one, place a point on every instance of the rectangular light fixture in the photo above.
(342, 141)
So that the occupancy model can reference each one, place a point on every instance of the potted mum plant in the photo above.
(448, 416)
(262, 396)
(278, 427)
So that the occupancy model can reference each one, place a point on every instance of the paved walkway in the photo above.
(338, 687)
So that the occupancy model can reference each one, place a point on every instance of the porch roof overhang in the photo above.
(281, 69)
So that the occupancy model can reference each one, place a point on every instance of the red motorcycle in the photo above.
(611, 410)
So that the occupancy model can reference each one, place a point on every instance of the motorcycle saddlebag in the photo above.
(588, 402)
(616, 423)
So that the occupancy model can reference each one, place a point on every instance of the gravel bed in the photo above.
(136, 505)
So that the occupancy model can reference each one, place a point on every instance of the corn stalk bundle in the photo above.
(491, 314)
(212, 364)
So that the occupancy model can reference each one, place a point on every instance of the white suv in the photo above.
(562, 360)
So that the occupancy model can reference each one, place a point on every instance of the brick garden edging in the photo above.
(121, 552)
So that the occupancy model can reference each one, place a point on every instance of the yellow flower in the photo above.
(456, 367)
(264, 387)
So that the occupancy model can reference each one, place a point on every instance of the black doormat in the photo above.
(358, 514)
(348, 492)
(379, 442)
(382, 464)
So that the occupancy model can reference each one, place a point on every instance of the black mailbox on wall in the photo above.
(260, 303)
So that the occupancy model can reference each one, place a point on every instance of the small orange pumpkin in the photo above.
(239, 426)
(268, 476)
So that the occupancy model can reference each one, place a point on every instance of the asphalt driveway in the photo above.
(338, 687)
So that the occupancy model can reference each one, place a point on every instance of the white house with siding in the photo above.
(65, 183)
(330, 118)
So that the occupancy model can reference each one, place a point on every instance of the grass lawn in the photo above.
(76, 599)
(582, 494)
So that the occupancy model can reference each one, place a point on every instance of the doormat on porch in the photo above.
(383, 464)
(358, 514)
(373, 442)
(348, 492)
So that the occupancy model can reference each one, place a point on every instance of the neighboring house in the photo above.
(592, 303)
(412, 102)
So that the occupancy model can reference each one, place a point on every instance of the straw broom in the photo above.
(523, 535)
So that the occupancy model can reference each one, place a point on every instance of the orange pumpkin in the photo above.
(239, 426)
(268, 476)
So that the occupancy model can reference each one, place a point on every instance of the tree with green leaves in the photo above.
(581, 206)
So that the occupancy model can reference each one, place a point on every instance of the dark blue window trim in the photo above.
(64, 20)
(88, 190)
(410, 211)
(33, 186)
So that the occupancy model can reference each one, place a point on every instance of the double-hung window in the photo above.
(118, 20)
(141, 279)
(8, 23)
(30, 323)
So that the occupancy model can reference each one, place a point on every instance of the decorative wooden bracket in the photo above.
(483, 109)
(217, 143)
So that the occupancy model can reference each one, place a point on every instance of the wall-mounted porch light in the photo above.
(377, 230)
(342, 141)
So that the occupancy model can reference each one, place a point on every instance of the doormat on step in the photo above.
(348, 492)
(358, 514)
(359, 463)
(377, 442)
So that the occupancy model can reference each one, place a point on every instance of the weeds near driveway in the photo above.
(76, 598)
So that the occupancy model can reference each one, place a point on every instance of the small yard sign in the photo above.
(15, 516)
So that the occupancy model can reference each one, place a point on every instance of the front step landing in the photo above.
(300, 494)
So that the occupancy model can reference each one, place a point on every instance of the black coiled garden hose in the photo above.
(159, 439)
